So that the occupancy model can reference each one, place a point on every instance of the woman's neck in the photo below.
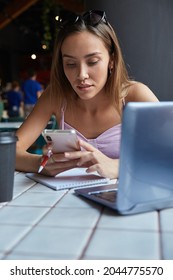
(95, 104)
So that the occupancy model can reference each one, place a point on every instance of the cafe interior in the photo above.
(40, 223)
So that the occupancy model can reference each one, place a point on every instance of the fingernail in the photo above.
(66, 154)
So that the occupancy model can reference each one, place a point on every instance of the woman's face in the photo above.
(85, 62)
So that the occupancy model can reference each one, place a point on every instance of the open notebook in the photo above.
(75, 177)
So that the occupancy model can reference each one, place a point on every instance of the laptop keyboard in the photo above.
(110, 195)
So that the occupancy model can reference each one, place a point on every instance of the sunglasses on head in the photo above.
(92, 18)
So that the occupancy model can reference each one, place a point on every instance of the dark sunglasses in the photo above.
(92, 18)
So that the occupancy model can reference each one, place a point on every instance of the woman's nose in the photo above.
(83, 73)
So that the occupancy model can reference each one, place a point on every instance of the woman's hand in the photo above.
(89, 157)
(95, 161)
(57, 163)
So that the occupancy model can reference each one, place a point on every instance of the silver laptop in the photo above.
(146, 161)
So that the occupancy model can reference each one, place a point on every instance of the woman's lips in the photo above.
(83, 87)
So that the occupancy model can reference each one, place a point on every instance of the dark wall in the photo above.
(145, 32)
(16, 47)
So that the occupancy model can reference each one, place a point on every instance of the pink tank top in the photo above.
(108, 142)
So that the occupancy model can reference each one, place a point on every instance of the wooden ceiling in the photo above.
(11, 9)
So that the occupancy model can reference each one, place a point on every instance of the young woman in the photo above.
(89, 86)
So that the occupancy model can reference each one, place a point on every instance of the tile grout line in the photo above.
(30, 229)
(91, 236)
(160, 237)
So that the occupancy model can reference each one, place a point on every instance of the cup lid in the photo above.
(7, 137)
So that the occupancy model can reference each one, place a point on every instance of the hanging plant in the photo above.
(51, 8)
(46, 17)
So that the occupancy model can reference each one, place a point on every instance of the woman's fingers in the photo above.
(47, 149)
(61, 162)
(53, 168)
(86, 146)
(84, 155)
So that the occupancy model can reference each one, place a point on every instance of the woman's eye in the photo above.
(93, 62)
(71, 64)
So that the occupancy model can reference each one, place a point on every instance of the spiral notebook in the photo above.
(75, 177)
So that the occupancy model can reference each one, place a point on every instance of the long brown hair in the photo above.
(60, 86)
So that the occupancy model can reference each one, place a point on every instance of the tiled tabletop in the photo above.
(40, 223)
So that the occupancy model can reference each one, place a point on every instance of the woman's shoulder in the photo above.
(138, 91)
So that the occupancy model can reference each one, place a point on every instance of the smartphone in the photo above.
(62, 140)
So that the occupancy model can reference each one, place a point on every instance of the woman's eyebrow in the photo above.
(68, 56)
(86, 56)
(92, 54)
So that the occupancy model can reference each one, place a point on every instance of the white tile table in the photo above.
(40, 223)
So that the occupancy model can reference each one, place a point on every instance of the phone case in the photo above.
(62, 140)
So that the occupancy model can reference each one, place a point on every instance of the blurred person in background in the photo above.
(32, 90)
(14, 100)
